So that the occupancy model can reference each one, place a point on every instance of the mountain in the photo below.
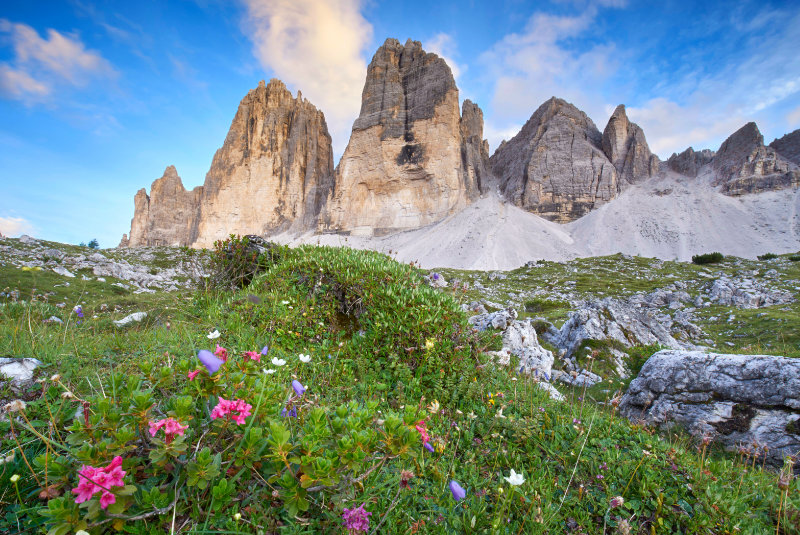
(412, 158)
(625, 146)
(273, 172)
(788, 146)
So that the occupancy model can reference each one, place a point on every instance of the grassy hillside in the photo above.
(359, 385)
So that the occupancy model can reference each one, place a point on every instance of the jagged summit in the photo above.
(625, 145)
(788, 146)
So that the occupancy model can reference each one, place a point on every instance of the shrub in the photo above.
(236, 260)
(794, 258)
(708, 258)
(767, 256)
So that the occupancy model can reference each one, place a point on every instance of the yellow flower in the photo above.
(429, 344)
(14, 478)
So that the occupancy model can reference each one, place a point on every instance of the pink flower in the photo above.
(253, 356)
(171, 428)
(94, 480)
(356, 519)
(222, 353)
(423, 431)
(237, 409)
(192, 375)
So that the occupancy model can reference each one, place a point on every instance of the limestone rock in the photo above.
(734, 399)
(18, 371)
(746, 293)
(744, 165)
(130, 318)
(690, 161)
(411, 160)
(788, 146)
(474, 150)
(555, 166)
(167, 215)
(495, 320)
(625, 145)
(273, 171)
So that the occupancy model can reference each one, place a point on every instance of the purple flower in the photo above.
(356, 519)
(330, 356)
(265, 350)
(458, 491)
(435, 276)
(428, 447)
(291, 413)
(78, 311)
(298, 388)
(209, 360)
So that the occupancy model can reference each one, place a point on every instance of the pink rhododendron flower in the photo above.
(423, 431)
(237, 409)
(171, 428)
(253, 356)
(93, 480)
(192, 375)
(222, 353)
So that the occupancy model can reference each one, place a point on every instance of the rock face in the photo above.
(788, 146)
(273, 171)
(167, 215)
(555, 166)
(744, 165)
(690, 161)
(412, 159)
(746, 293)
(625, 145)
(734, 399)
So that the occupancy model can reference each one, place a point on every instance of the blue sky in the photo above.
(97, 98)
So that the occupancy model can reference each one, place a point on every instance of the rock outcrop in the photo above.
(412, 159)
(273, 171)
(689, 162)
(737, 400)
(625, 145)
(788, 146)
(744, 164)
(555, 166)
(167, 215)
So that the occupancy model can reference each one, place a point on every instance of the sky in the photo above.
(98, 98)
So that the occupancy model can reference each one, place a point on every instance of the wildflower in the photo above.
(356, 519)
(213, 335)
(305, 358)
(269, 371)
(78, 311)
(423, 431)
(278, 362)
(499, 413)
(237, 517)
(237, 408)
(458, 491)
(211, 362)
(616, 502)
(603, 466)
(472, 415)
(55, 378)
(428, 447)
(429, 344)
(265, 350)
(299, 389)
(93, 480)
(171, 428)
(515, 479)
(222, 353)
(15, 406)
(405, 477)
(433, 408)
(284, 302)
(253, 355)
(14, 478)
(292, 412)
(599, 476)
(192, 375)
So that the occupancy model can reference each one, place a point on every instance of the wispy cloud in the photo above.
(15, 226)
(318, 47)
(40, 64)
(443, 45)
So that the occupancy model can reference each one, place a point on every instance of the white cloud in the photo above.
(443, 45)
(15, 226)
(318, 47)
(39, 64)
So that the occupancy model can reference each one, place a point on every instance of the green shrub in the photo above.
(236, 260)
(767, 256)
(708, 258)
(794, 258)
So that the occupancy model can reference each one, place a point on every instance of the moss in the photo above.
(741, 416)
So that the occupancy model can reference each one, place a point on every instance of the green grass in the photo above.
(395, 346)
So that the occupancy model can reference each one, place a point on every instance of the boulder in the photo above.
(788, 146)
(18, 371)
(745, 293)
(131, 318)
(733, 399)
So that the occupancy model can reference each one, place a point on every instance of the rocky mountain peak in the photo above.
(689, 162)
(625, 145)
(788, 146)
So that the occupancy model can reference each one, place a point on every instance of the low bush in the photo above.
(236, 260)
(767, 256)
(708, 258)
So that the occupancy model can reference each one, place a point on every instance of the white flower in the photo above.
(305, 358)
(499, 413)
(269, 371)
(515, 479)
(284, 302)
(278, 362)
(213, 335)
(433, 408)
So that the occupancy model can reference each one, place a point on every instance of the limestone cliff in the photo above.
(166, 216)
(744, 164)
(274, 171)
(689, 162)
(412, 159)
(555, 166)
(788, 146)
(625, 145)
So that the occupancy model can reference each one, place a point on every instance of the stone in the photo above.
(494, 320)
(273, 172)
(520, 339)
(18, 371)
(788, 146)
(733, 399)
(412, 159)
(579, 378)
(435, 280)
(64, 272)
(626, 147)
(555, 166)
(745, 293)
(54, 319)
(689, 162)
(744, 165)
(131, 318)
(28, 240)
